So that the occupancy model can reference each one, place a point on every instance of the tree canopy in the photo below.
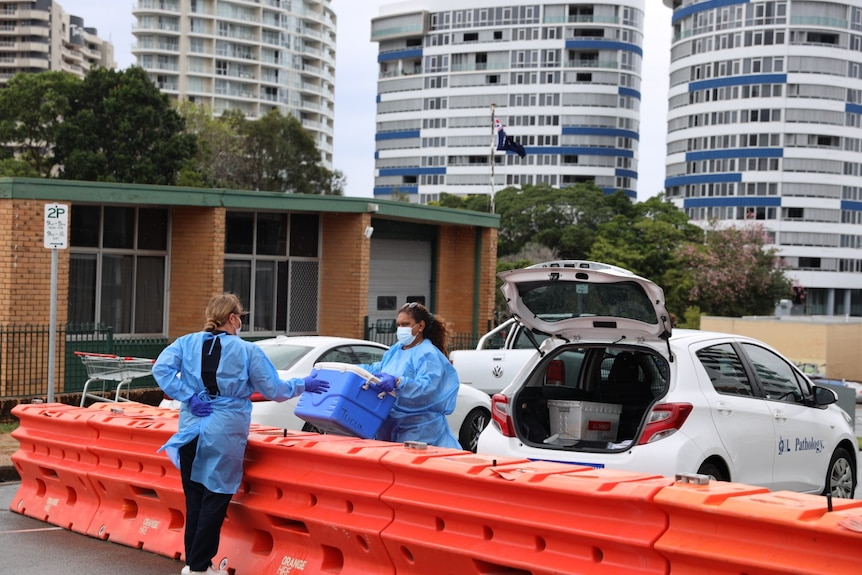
(121, 128)
(274, 153)
(730, 273)
(32, 107)
(116, 126)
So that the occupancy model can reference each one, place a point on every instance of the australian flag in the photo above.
(507, 143)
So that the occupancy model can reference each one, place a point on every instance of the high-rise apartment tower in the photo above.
(39, 35)
(563, 77)
(247, 55)
(765, 110)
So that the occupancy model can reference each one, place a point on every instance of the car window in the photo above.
(354, 354)
(284, 356)
(367, 353)
(725, 370)
(340, 354)
(778, 379)
(523, 342)
(557, 300)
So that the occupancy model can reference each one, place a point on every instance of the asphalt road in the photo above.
(31, 547)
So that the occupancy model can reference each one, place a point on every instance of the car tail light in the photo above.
(257, 396)
(664, 420)
(500, 414)
(555, 374)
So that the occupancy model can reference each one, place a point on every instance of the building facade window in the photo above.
(272, 262)
(117, 267)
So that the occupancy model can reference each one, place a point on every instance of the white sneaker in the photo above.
(210, 571)
(186, 570)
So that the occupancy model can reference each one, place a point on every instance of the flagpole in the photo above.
(493, 147)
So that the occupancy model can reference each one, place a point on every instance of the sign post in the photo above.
(56, 233)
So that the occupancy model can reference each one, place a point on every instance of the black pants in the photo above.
(205, 513)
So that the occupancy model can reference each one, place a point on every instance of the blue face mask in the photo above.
(405, 335)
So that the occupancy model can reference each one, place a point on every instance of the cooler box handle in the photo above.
(345, 367)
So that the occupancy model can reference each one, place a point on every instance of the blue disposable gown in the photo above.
(223, 435)
(425, 396)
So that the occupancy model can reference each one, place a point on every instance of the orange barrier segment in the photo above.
(54, 463)
(479, 514)
(135, 408)
(142, 501)
(730, 529)
(309, 503)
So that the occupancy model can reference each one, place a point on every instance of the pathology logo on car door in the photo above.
(786, 445)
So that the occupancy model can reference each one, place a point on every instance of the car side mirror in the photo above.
(824, 396)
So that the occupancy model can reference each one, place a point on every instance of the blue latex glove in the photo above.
(314, 385)
(200, 407)
(386, 383)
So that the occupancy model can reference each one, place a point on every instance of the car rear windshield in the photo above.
(284, 356)
(560, 300)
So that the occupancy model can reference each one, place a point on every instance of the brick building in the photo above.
(146, 259)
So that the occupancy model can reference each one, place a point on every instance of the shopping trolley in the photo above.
(109, 369)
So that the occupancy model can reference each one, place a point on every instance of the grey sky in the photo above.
(356, 84)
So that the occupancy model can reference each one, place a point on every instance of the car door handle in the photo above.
(779, 415)
(723, 408)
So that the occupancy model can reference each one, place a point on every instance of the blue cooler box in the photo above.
(350, 406)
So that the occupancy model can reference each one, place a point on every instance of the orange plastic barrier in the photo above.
(135, 408)
(329, 504)
(731, 529)
(142, 502)
(475, 515)
(309, 503)
(54, 463)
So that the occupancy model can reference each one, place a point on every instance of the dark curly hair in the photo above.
(435, 326)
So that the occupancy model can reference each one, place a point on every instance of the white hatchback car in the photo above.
(295, 356)
(614, 386)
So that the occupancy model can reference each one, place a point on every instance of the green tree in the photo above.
(566, 221)
(474, 202)
(32, 107)
(284, 158)
(220, 160)
(13, 168)
(733, 274)
(120, 128)
(644, 237)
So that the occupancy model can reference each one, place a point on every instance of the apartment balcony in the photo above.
(28, 63)
(157, 6)
(590, 63)
(236, 15)
(233, 92)
(24, 30)
(173, 28)
(167, 66)
(242, 36)
(8, 45)
(11, 13)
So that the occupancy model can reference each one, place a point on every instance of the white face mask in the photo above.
(405, 335)
(239, 329)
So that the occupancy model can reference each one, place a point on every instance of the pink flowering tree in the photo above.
(733, 273)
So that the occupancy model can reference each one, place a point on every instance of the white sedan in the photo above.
(295, 356)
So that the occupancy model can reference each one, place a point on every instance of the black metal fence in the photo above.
(24, 356)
